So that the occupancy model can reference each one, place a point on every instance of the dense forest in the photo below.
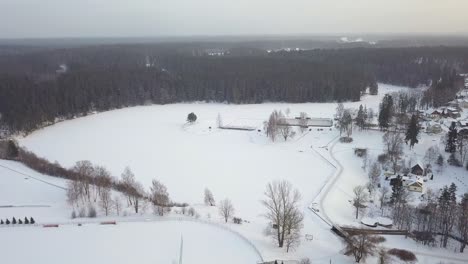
(39, 86)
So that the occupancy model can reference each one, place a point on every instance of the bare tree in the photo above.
(432, 154)
(303, 122)
(102, 178)
(209, 199)
(74, 193)
(284, 128)
(282, 202)
(374, 174)
(394, 147)
(383, 197)
(293, 228)
(128, 182)
(159, 197)
(105, 200)
(219, 121)
(339, 111)
(84, 173)
(226, 209)
(360, 199)
(117, 204)
(271, 126)
(383, 257)
(361, 246)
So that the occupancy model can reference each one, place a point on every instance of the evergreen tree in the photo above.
(1, 222)
(13, 221)
(26, 221)
(31, 221)
(452, 135)
(192, 117)
(20, 222)
(374, 88)
(397, 190)
(360, 118)
(7, 222)
(413, 131)
(386, 112)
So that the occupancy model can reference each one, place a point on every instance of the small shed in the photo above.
(415, 186)
(417, 170)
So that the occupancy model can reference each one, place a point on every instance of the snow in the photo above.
(157, 144)
(144, 243)
(26, 193)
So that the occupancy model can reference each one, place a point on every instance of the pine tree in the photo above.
(1, 222)
(7, 222)
(31, 221)
(13, 221)
(360, 118)
(20, 222)
(413, 131)
(386, 112)
(452, 135)
(26, 221)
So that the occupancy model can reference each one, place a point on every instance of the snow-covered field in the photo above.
(155, 143)
(144, 243)
(26, 193)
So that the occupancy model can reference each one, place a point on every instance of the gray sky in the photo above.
(145, 18)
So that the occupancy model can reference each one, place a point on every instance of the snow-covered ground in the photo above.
(26, 193)
(157, 144)
(145, 243)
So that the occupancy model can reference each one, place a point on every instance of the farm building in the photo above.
(309, 122)
(415, 186)
(417, 170)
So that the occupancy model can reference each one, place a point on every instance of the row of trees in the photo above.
(33, 94)
(13, 221)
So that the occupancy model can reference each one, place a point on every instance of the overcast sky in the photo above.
(146, 18)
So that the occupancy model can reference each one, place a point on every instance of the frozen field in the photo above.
(35, 195)
(144, 243)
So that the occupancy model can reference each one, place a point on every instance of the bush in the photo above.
(192, 117)
(402, 254)
(377, 239)
(191, 211)
(305, 261)
(382, 158)
(92, 212)
(346, 139)
(237, 220)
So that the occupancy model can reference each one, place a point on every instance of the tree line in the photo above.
(36, 91)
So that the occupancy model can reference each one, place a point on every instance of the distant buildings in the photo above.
(308, 122)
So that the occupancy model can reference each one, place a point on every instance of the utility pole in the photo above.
(181, 249)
